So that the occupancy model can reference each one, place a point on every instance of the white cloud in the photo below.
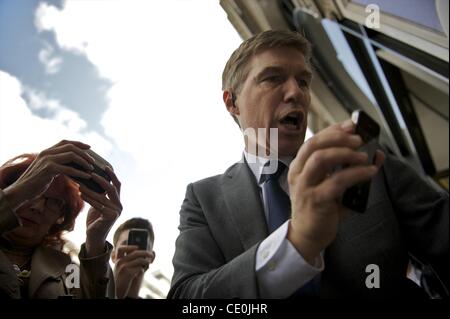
(58, 112)
(52, 64)
(21, 131)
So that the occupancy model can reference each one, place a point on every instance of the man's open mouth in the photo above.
(292, 120)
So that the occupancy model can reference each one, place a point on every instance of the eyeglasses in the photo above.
(55, 205)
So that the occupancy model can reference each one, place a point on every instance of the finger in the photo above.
(348, 126)
(105, 211)
(123, 250)
(379, 158)
(104, 183)
(97, 197)
(115, 181)
(77, 143)
(70, 171)
(109, 188)
(70, 157)
(136, 254)
(335, 186)
(130, 261)
(136, 262)
(330, 137)
(322, 163)
(65, 148)
(72, 148)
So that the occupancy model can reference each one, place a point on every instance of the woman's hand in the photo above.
(49, 164)
(105, 209)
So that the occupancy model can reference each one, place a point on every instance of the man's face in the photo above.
(276, 94)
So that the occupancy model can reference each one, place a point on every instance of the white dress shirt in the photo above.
(280, 269)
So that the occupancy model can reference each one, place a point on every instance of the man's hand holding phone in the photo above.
(316, 187)
(131, 264)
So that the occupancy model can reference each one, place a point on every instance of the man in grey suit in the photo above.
(231, 244)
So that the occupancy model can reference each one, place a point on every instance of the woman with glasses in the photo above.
(38, 202)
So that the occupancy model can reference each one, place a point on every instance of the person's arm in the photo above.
(135, 287)
(423, 214)
(200, 269)
(104, 211)
(96, 277)
(131, 265)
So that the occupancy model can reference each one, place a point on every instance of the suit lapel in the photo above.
(244, 205)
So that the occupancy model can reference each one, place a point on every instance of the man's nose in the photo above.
(292, 91)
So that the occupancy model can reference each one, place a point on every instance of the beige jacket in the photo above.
(49, 271)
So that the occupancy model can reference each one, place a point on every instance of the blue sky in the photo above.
(76, 84)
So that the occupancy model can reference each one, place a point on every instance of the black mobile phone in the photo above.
(100, 165)
(355, 197)
(138, 237)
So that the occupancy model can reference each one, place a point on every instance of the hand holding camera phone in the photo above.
(355, 197)
(100, 165)
(138, 237)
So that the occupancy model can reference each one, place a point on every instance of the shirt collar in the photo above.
(257, 163)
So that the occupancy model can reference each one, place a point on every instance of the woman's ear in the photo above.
(60, 220)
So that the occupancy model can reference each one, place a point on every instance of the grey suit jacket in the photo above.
(222, 223)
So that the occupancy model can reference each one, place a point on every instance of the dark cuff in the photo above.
(96, 273)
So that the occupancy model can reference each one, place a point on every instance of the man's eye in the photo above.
(303, 83)
(273, 78)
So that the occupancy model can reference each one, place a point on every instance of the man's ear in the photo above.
(229, 98)
(114, 256)
(152, 258)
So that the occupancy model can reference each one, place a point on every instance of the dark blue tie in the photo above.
(278, 203)
(279, 211)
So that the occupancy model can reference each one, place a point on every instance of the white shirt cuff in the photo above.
(280, 269)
